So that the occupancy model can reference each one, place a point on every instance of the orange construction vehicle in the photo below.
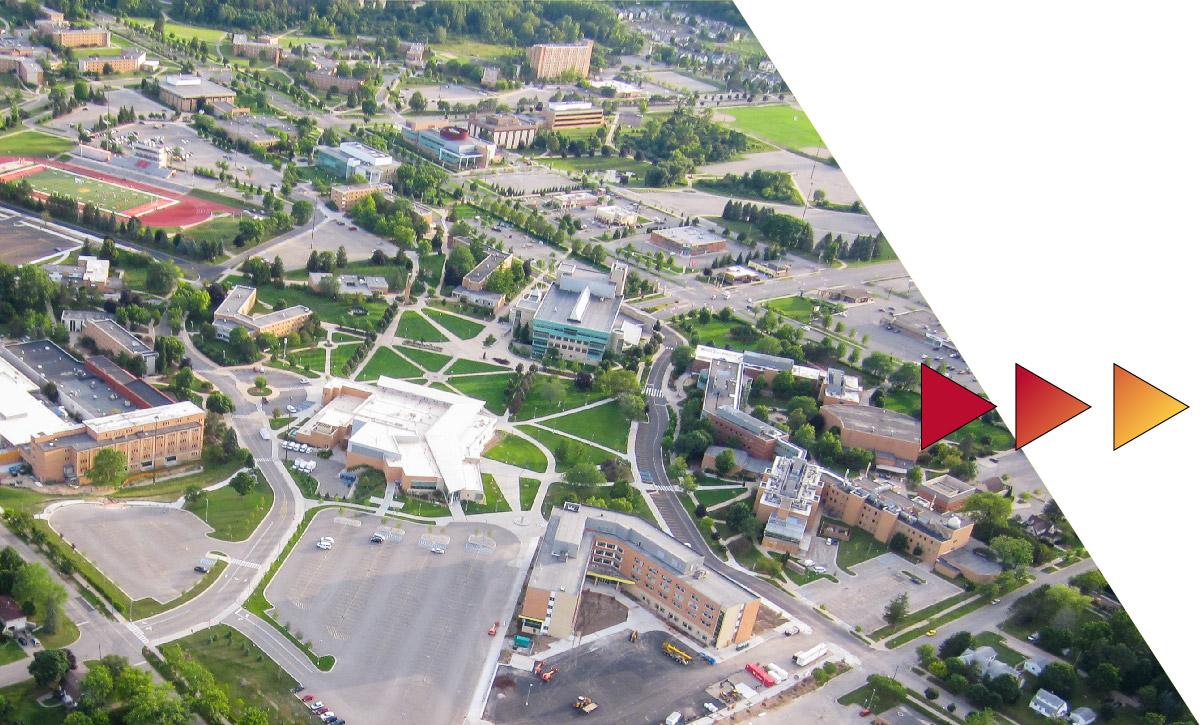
(548, 674)
(492, 631)
(537, 667)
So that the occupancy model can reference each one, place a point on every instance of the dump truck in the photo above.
(585, 705)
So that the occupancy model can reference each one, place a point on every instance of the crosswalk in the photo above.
(247, 564)
(653, 392)
(137, 632)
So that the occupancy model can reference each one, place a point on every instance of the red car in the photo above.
(321, 710)
(306, 698)
(354, 229)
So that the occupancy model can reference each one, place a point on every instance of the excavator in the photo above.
(537, 667)
(585, 705)
(548, 674)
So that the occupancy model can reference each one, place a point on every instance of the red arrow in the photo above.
(946, 406)
(1042, 406)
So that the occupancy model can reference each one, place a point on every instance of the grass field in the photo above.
(494, 501)
(11, 652)
(517, 451)
(430, 267)
(340, 355)
(781, 125)
(488, 388)
(109, 197)
(797, 308)
(550, 439)
(903, 401)
(312, 357)
(250, 678)
(33, 144)
(859, 548)
(467, 49)
(289, 40)
(217, 229)
(25, 707)
(415, 327)
(431, 361)
(529, 492)
(1002, 439)
(599, 163)
(713, 496)
(716, 334)
(542, 401)
(460, 327)
(328, 309)
(386, 362)
(604, 424)
(233, 516)
(343, 337)
(557, 493)
(187, 32)
(463, 366)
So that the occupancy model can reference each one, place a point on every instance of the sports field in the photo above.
(108, 197)
(781, 125)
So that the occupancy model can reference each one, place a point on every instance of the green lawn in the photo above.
(431, 361)
(343, 337)
(598, 163)
(713, 496)
(903, 401)
(529, 491)
(463, 366)
(604, 424)
(312, 358)
(250, 678)
(34, 144)
(443, 387)
(415, 327)
(107, 196)
(591, 454)
(1002, 440)
(233, 516)
(859, 548)
(172, 488)
(716, 334)
(187, 32)
(920, 615)
(289, 40)
(21, 499)
(328, 309)
(11, 652)
(517, 451)
(494, 501)
(797, 308)
(466, 49)
(371, 482)
(25, 708)
(218, 229)
(340, 355)
(460, 327)
(430, 267)
(385, 361)
(539, 401)
(880, 701)
(488, 388)
(557, 493)
(779, 124)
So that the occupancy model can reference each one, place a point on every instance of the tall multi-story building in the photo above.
(323, 81)
(234, 311)
(506, 130)
(23, 67)
(153, 438)
(572, 114)
(80, 38)
(111, 337)
(352, 157)
(577, 314)
(450, 145)
(551, 60)
(264, 47)
(583, 543)
(127, 62)
(347, 195)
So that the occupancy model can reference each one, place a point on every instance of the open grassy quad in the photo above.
(415, 327)
(797, 308)
(494, 501)
(430, 266)
(460, 327)
(221, 228)
(598, 163)
(713, 496)
(529, 492)
(903, 401)
(327, 309)
(313, 358)
(779, 124)
(547, 398)
(859, 548)
(340, 355)
(488, 388)
(33, 144)
(604, 424)
(186, 32)
(716, 334)
(233, 516)
(463, 366)
(1001, 438)
(591, 454)
(251, 679)
(386, 362)
(108, 197)
(466, 49)
(431, 361)
(516, 451)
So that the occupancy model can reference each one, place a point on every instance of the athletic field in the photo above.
(781, 125)
(108, 197)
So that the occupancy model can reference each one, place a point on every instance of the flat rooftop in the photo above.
(690, 236)
(724, 386)
(581, 300)
(199, 88)
(879, 421)
(127, 339)
(163, 413)
(237, 296)
(22, 415)
(47, 362)
(947, 486)
(484, 269)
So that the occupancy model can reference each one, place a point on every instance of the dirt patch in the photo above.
(768, 619)
(504, 682)
(599, 611)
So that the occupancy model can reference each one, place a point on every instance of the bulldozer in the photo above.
(585, 705)
(633, 635)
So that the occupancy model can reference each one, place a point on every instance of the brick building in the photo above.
(111, 337)
(551, 60)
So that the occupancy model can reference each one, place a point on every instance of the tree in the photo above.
(616, 382)
(906, 377)
(109, 468)
(1059, 678)
(156, 705)
(583, 474)
(899, 542)
(915, 476)
(633, 406)
(681, 358)
(219, 403)
(183, 382)
(981, 717)
(725, 461)
(49, 666)
(926, 655)
(244, 482)
(1104, 679)
(879, 365)
(896, 610)
(955, 645)
(253, 716)
(1012, 552)
(302, 211)
(95, 689)
(417, 102)
(989, 508)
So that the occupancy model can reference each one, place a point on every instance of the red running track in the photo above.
(187, 212)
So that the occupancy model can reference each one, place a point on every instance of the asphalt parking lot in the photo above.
(327, 235)
(860, 599)
(116, 98)
(21, 241)
(408, 627)
(632, 682)
(148, 551)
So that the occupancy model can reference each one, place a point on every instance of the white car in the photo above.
(316, 705)
(291, 409)
(325, 545)
(809, 562)
(711, 707)
(819, 569)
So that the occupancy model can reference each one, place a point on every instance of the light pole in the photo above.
(527, 693)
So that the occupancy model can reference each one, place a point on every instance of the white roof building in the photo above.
(1049, 704)
(23, 416)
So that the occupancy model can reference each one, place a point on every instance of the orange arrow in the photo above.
(1042, 406)
(1138, 406)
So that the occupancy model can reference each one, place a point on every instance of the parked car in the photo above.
(200, 568)
(306, 698)
(291, 409)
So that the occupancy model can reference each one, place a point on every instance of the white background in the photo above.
(1035, 167)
